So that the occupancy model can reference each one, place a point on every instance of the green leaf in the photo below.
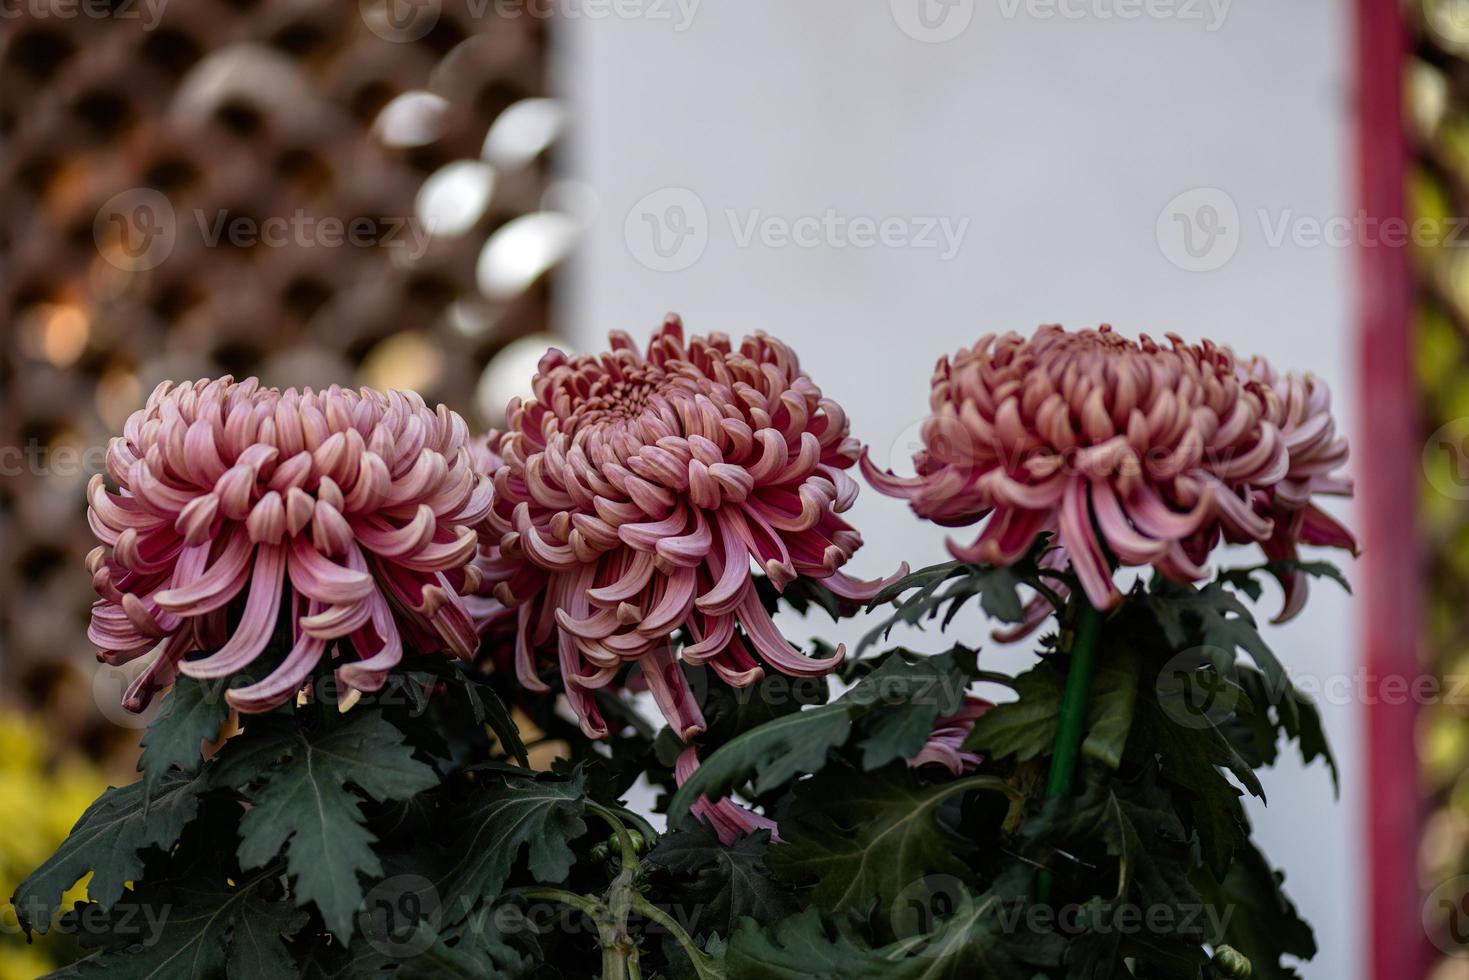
(902, 699)
(106, 841)
(1244, 578)
(1212, 619)
(192, 929)
(981, 939)
(305, 807)
(985, 937)
(903, 696)
(800, 948)
(727, 883)
(775, 752)
(1132, 822)
(996, 587)
(1191, 757)
(541, 815)
(1110, 705)
(862, 840)
(484, 704)
(1026, 727)
(1262, 922)
(192, 713)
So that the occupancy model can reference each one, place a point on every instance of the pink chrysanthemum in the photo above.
(1315, 451)
(635, 491)
(945, 744)
(1153, 451)
(729, 819)
(356, 507)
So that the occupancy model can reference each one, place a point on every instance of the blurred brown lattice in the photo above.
(195, 187)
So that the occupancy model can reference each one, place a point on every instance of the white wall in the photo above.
(1060, 141)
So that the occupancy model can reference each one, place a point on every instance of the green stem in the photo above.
(1085, 627)
(703, 966)
(619, 831)
(581, 903)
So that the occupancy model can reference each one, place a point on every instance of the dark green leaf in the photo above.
(304, 806)
(192, 713)
(106, 841)
(775, 752)
(1261, 923)
(800, 948)
(861, 840)
(725, 883)
(1026, 727)
(996, 587)
(513, 812)
(187, 930)
(907, 694)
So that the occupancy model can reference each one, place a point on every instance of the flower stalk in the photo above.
(1086, 627)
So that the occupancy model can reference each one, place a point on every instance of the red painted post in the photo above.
(1388, 446)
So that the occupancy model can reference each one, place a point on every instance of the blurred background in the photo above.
(426, 193)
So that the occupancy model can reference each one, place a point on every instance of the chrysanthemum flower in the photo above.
(355, 507)
(945, 744)
(635, 492)
(1152, 451)
(729, 819)
(1315, 452)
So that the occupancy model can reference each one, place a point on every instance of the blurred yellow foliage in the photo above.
(42, 793)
